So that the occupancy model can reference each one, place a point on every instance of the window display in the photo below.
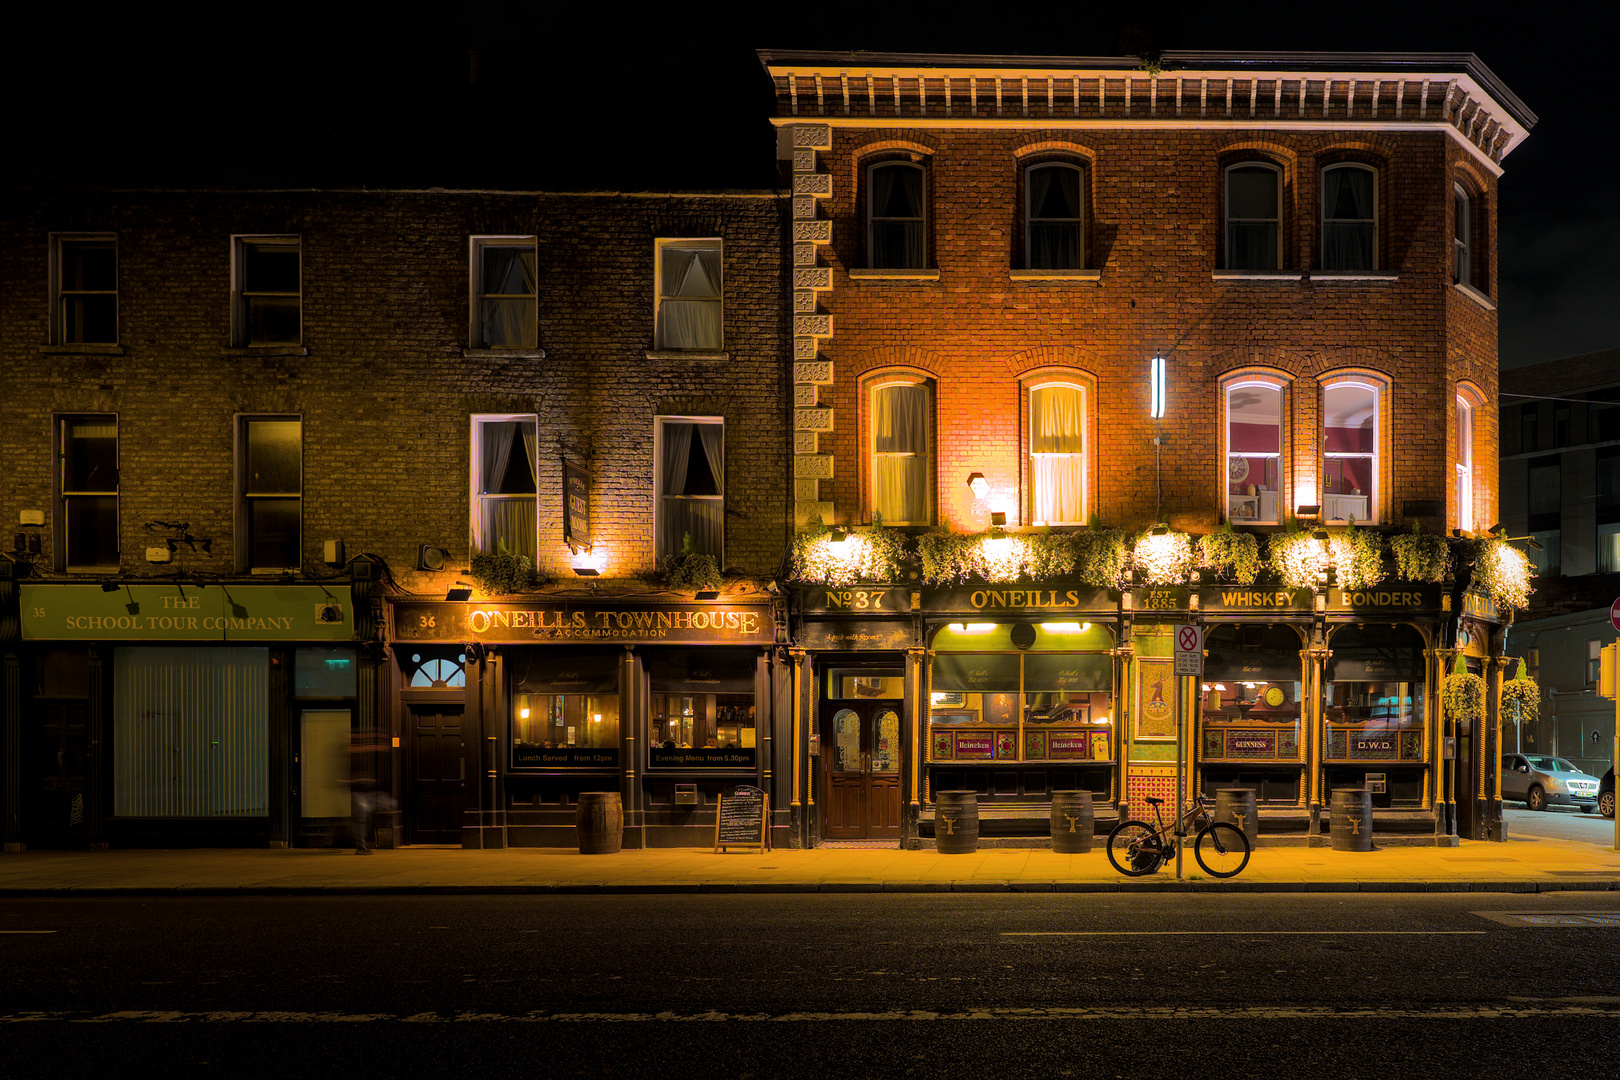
(701, 714)
(564, 709)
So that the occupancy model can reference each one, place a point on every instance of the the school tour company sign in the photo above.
(186, 612)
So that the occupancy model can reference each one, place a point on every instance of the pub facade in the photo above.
(1088, 352)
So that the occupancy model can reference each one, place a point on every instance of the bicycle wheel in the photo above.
(1134, 848)
(1222, 850)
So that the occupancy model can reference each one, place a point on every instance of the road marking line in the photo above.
(1237, 933)
(27, 931)
(1199, 1011)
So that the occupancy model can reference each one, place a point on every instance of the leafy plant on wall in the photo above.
(1164, 558)
(868, 555)
(1463, 695)
(1358, 557)
(503, 573)
(1503, 571)
(691, 569)
(1232, 555)
(1296, 557)
(1421, 557)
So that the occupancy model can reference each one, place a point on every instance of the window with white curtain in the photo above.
(1349, 218)
(504, 457)
(1350, 417)
(1253, 217)
(1054, 234)
(1462, 236)
(1465, 464)
(897, 216)
(1254, 428)
(691, 466)
(504, 275)
(900, 449)
(1057, 454)
(691, 295)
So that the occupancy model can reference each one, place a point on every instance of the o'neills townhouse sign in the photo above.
(712, 624)
(187, 612)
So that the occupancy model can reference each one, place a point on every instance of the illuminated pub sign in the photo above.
(630, 624)
(187, 612)
(577, 496)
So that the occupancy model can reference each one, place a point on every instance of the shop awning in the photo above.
(1074, 672)
(546, 671)
(701, 671)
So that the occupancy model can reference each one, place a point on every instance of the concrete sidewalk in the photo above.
(1520, 865)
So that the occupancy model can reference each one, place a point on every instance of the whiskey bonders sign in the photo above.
(507, 623)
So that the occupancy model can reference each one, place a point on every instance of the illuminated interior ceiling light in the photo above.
(978, 484)
(1062, 627)
(980, 627)
(524, 713)
(1156, 379)
(1084, 627)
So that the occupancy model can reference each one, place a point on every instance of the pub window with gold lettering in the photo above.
(701, 710)
(1249, 719)
(564, 709)
(1373, 714)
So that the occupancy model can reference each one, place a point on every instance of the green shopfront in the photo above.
(182, 714)
(1014, 692)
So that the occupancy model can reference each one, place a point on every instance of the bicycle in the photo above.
(1137, 849)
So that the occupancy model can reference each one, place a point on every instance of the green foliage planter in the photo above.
(691, 570)
(1463, 695)
(1232, 555)
(1094, 556)
(1358, 558)
(1503, 571)
(1164, 558)
(1296, 557)
(1420, 557)
(869, 555)
(503, 574)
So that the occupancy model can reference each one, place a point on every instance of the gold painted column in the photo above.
(918, 683)
(801, 753)
(1315, 689)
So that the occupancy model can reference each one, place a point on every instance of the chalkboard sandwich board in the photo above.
(740, 821)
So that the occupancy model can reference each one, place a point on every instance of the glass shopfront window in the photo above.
(1373, 712)
(992, 701)
(564, 709)
(1250, 733)
(701, 713)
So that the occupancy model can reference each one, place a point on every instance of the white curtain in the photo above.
(684, 510)
(900, 454)
(898, 240)
(1057, 445)
(1348, 231)
(505, 521)
(689, 310)
(508, 310)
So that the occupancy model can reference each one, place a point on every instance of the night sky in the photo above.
(510, 95)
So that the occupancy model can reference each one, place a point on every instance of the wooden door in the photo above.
(436, 786)
(861, 750)
(57, 758)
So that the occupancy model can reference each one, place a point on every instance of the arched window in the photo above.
(1253, 217)
(901, 430)
(1254, 442)
(1464, 454)
(1462, 236)
(896, 216)
(1350, 432)
(1349, 218)
(1057, 454)
(1054, 221)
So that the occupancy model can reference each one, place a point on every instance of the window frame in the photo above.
(685, 243)
(1030, 220)
(1376, 221)
(476, 497)
(245, 499)
(477, 296)
(1069, 382)
(1464, 460)
(1281, 385)
(57, 266)
(1462, 235)
(62, 533)
(658, 481)
(869, 391)
(872, 218)
(1379, 390)
(241, 323)
(1227, 220)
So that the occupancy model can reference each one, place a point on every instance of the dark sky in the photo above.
(591, 95)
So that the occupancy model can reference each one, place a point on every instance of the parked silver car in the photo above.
(1539, 781)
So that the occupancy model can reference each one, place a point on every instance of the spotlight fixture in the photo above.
(998, 519)
(587, 571)
(708, 594)
(837, 536)
(1308, 511)
(1161, 529)
(978, 484)
(458, 593)
(110, 586)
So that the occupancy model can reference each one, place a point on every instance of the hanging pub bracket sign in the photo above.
(740, 821)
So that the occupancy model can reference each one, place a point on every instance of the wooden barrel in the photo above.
(1351, 824)
(1235, 806)
(1074, 823)
(956, 822)
(599, 820)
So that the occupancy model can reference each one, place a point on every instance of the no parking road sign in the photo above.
(1189, 650)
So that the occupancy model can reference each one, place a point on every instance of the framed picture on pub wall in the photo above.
(1155, 701)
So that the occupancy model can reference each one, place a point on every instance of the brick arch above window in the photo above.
(1289, 363)
(1373, 363)
(897, 358)
(1057, 148)
(1056, 357)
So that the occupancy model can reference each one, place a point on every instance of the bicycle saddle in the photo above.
(1151, 801)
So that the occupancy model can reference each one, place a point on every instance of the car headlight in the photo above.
(1553, 785)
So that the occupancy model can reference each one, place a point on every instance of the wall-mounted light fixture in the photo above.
(708, 594)
(587, 571)
(837, 536)
(459, 592)
(1308, 511)
(998, 520)
(978, 485)
(1156, 382)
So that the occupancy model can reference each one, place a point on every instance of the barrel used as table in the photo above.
(956, 822)
(1350, 827)
(1074, 822)
(599, 820)
(1235, 806)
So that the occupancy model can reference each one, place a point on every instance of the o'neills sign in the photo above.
(631, 623)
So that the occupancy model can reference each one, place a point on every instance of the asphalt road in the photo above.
(942, 985)
(1558, 823)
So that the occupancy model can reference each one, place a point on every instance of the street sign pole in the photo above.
(1189, 654)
